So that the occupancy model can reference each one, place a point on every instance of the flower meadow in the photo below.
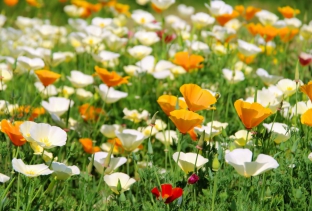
(165, 107)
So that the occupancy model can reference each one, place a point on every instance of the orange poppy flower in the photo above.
(35, 112)
(306, 117)
(251, 114)
(109, 3)
(223, 19)
(287, 34)
(11, 3)
(266, 32)
(247, 13)
(288, 12)
(192, 133)
(47, 77)
(33, 3)
(185, 120)
(122, 9)
(89, 112)
(168, 103)
(111, 78)
(12, 130)
(246, 59)
(188, 61)
(88, 147)
(307, 89)
(197, 98)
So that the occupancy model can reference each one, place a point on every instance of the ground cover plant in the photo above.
(155, 105)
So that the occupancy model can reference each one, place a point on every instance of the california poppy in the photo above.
(197, 98)
(188, 61)
(307, 89)
(246, 59)
(47, 77)
(34, 112)
(288, 12)
(167, 194)
(168, 103)
(251, 114)
(306, 117)
(185, 120)
(286, 34)
(223, 19)
(110, 78)
(12, 130)
(247, 13)
(11, 3)
(89, 112)
(88, 147)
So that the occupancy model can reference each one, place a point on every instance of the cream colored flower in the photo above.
(218, 7)
(4, 178)
(57, 105)
(163, 4)
(142, 17)
(83, 94)
(30, 170)
(240, 138)
(112, 181)
(201, 20)
(248, 49)
(99, 162)
(167, 137)
(109, 131)
(130, 139)
(266, 17)
(140, 51)
(187, 161)
(134, 115)
(280, 131)
(110, 95)
(185, 11)
(79, 79)
(147, 38)
(62, 171)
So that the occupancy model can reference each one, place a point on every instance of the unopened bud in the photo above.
(193, 179)
(149, 147)
(200, 143)
(215, 163)
(122, 197)
(119, 186)
(153, 121)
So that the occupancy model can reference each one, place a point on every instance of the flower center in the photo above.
(46, 141)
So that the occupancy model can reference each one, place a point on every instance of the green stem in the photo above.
(18, 188)
(215, 182)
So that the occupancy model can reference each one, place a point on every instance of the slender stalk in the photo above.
(214, 192)
(18, 192)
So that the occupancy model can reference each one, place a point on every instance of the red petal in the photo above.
(155, 192)
(176, 193)
(166, 189)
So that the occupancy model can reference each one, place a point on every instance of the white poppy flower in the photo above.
(266, 17)
(46, 91)
(209, 132)
(142, 2)
(57, 105)
(148, 131)
(267, 78)
(101, 22)
(30, 64)
(142, 17)
(293, 23)
(306, 31)
(218, 7)
(83, 94)
(280, 131)
(124, 179)
(248, 49)
(109, 94)
(240, 159)
(62, 171)
(288, 87)
(30, 170)
(163, 4)
(167, 137)
(140, 51)
(135, 115)
(240, 138)
(185, 11)
(109, 130)
(79, 79)
(73, 10)
(4, 178)
(233, 76)
(48, 136)
(130, 139)
(201, 20)
(99, 162)
(25, 130)
(187, 161)
(147, 38)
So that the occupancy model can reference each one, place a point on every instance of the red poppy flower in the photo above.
(168, 194)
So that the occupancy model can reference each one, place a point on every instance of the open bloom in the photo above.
(306, 117)
(185, 120)
(307, 89)
(62, 171)
(280, 131)
(251, 114)
(168, 103)
(162, 4)
(4, 178)
(188, 61)
(240, 137)
(48, 136)
(167, 194)
(167, 137)
(57, 105)
(110, 95)
(187, 161)
(248, 49)
(99, 162)
(109, 130)
(88, 146)
(89, 112)
(110, 78)
(30, 170)
(266, 78)
(130, 139)
(240, 159)
(134, 115)
(12, 130)
(79, 79)
(197, 98)
(47, 77)
(288, 12)
(112, 181)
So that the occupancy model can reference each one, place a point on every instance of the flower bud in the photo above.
(193, 179)
(119, 186)
(201, 142)
(215, 163)
(149, 147)
(153, 121)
